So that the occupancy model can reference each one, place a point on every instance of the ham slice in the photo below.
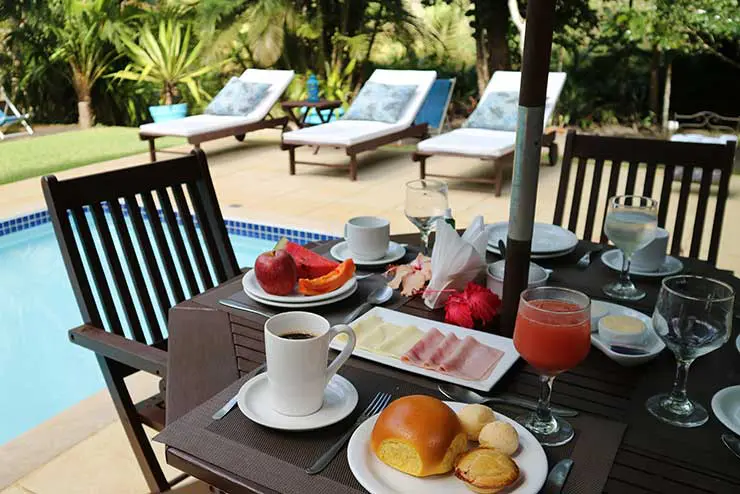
(424, 348)
(471, 360)
(443, 350)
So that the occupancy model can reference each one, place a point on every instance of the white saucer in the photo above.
(547, 239)
(654, 344)
(304, 305)
(613, 259)
(737, 343)
(495, 250)
(726, 406)
(395, 251)
(252, 287)
(340, 399)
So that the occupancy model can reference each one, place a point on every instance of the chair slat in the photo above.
(163, 247)
(629, 187)
(208, 236)
(647, 188)
(577, 193)
(593, 200)
(719, 212)
(119, 280)
(665, 195)
(176, 236)
(701, 213)
(150, 259)
(683, 199)
(564, 179)
(86, 294)
(135, 271)
(611, 191)
(195, 247)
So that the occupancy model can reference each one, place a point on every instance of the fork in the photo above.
(377, 405)
(587, 258)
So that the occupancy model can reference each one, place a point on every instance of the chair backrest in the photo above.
(422, 79)
(434, 110)
(508, 81)
(279, 81)
(648, 161)
(123, 202)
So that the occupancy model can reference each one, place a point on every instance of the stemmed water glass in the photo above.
(426, 202)
(553, 334)
(631, 223)
(693, 316)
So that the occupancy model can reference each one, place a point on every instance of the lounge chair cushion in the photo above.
(341, 133)
(237, 98)
(195, 125)
(380, 102)
(497, 111)
(482, 143)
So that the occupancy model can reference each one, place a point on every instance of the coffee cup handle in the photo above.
(345, 231)
(345, 353)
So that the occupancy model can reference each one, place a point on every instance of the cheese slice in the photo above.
(377, 336)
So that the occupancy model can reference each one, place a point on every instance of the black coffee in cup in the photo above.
(298, 335)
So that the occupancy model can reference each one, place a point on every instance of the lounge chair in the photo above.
(201, 128)
(356, 136)
(489, 144)
(434, 110)
(10, 115)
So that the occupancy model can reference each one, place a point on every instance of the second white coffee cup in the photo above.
(297, 348)
(367, 237)
(651, 257)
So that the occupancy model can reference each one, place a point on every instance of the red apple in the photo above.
(276, 272)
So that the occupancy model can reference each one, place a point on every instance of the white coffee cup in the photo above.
(652, 256)
(367, 237)
(538, 276)
(297, 373)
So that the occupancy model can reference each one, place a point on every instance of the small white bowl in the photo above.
(538, 276)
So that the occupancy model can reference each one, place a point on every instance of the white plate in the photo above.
(506, 345)
(395, 251)
(546, 238)
(655, 344)
(726, 406)
(340, 398)
(737, 343)
(305, 305)
(495, 250)
(252, 287)
(379, 478)
(613, 259)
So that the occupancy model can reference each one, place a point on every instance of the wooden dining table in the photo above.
(212, 346)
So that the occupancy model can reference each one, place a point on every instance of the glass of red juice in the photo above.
(553, 334)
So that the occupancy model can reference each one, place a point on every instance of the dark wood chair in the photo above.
(644, 158)
(103, 260)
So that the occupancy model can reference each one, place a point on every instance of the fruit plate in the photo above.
(506, 345)
(379, 478)
(252, 287)
(305, 305)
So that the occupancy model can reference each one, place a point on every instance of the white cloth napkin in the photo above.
(455, 260)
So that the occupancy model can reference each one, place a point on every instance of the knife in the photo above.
(557, 477)
(238, 305)
(221, 413)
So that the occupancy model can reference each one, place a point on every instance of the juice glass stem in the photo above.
(544, 414)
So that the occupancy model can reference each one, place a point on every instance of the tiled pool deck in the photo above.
(75, 452)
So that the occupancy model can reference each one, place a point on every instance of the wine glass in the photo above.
(426, 202)
(553, 334)
(693, 316)
(631, 223)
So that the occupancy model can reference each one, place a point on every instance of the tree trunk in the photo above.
(82, 87)
(498, 26)
(654, 93)
(85, 113)
(667, 94)
(519, 22)
(481, 61)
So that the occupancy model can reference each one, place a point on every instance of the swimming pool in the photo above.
(41, 372)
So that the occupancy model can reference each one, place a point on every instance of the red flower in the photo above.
(474, 304)
(457, 311)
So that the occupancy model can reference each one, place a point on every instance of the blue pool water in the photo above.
(41, 372)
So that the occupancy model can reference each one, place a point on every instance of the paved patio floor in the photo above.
(252, 183)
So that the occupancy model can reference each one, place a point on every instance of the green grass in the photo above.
(37, 156)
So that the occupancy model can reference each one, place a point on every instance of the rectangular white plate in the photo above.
(506, 345)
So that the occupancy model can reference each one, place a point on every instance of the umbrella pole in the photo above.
(530, 124)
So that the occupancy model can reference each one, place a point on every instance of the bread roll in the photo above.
(486, 470)
(501, 436)
(473, 418)
(418, 435)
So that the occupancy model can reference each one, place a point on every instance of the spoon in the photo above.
(502, 248)
(464, 395)
(378, 296)
(732, 442)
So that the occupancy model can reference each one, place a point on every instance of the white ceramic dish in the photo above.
(494, 250)
(340, 399)
(379, 478)
(252, 287)
(546, 239)
(538, 276)
(305, 305)
(726, 406)
(613, 259)
(737, 343)
(654, 345)
(506, 345)
(395, 251)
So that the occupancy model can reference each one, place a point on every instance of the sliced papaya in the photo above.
(330, 281)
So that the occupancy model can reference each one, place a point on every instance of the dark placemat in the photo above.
(276, 459)
(335, 313)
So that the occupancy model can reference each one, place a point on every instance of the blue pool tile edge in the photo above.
(233, 226)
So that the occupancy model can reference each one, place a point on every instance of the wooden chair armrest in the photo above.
(128, 352)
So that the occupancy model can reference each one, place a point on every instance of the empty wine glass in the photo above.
(631, 223)
(693, 316)
(426, 202)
